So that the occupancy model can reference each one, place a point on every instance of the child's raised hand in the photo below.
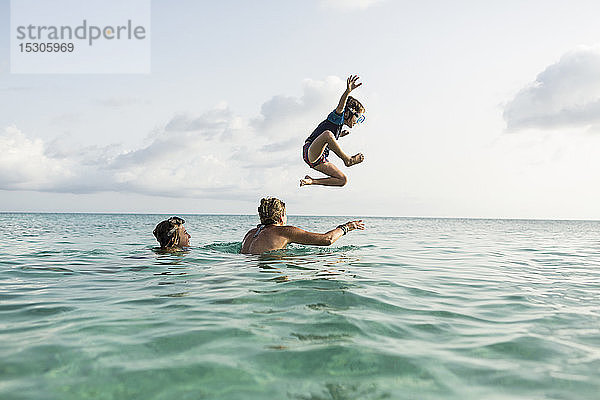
(351, 83)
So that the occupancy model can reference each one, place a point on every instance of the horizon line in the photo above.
(305, 215)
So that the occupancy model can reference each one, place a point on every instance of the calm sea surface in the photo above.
(407, 309)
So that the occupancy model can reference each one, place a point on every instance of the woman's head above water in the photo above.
(272, 211)
(171, 233)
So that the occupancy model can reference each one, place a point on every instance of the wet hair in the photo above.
(355, 105)
(271, 210)
(167, 232)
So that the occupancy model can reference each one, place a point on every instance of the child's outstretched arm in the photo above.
(351, 84)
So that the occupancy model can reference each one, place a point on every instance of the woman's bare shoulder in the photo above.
(246, 242)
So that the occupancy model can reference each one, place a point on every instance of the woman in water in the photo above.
(171, 234)
(274, 234)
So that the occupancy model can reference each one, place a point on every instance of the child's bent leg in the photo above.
(326, 138)
(336, 177)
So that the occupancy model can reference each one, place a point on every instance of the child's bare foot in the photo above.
(306, 181)
(355, 159)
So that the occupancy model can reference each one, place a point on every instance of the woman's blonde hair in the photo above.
(271, 210)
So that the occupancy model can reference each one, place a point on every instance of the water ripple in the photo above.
(410, 308)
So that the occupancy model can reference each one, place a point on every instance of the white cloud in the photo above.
(24, 164)
(285, 117)
(211, 123)
(216, 154)
(350, 4)
(564, 94)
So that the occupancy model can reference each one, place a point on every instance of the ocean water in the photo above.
(407, 309)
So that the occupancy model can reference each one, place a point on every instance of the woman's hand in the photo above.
(351, 83)
(352, 225)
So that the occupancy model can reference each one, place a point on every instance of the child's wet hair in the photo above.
(167, 232)
(271, 210)
(355, 105)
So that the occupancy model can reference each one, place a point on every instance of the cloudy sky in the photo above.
(474, 109)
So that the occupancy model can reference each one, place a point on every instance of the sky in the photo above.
(473, 110)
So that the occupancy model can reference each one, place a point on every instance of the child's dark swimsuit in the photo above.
(333, 123)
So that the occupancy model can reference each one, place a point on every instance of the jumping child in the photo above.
(316, 147)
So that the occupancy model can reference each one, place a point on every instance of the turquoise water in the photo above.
(408, 309)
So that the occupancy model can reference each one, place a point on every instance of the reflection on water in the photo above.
(307, 262)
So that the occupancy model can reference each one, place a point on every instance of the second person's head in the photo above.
(171, 233)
